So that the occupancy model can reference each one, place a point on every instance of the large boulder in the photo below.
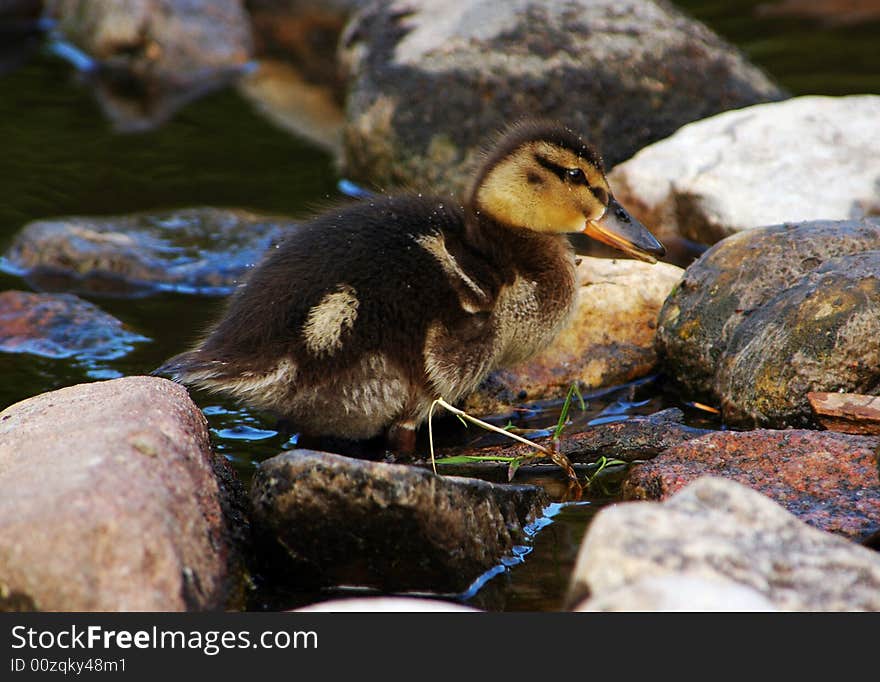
(770, 314)
(829, 480)
(321, 518)
(718, 532)
(111, 503)
(194, 250)
(610, 339)
(805, 158)
(430, 81)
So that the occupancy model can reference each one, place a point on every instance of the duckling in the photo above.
(358, 320)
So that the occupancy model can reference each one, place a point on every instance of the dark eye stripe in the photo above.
(558, 171)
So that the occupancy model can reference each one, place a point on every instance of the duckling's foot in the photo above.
(401, 440)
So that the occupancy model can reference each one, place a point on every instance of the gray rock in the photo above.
(769, 314)
(679, 592)
(196, 250)
(805, 158)
(819, 335)
(328, 519)
(61, 326)
(718, 530)
(111, 503)
(430, 80)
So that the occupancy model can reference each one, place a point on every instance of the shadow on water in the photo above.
(61, 157)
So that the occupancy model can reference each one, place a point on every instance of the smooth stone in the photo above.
(680, 592)
(717, 529)
(61, 326)
(321, 518)
(114, 501)
(609, 341)
(194, 250)
(797, 160)
(768, 315)
(828, 480)
(429, 80)
(387, 605)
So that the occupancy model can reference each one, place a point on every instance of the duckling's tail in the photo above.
(191, 367)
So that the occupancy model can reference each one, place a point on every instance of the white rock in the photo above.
(801, 159)
(682, 592)
(386, 605)
(718, 530)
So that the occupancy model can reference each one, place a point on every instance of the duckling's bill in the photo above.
(619, 229)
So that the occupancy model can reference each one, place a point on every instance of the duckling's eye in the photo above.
(576, 175)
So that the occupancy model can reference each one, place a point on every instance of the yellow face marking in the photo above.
(520, 191)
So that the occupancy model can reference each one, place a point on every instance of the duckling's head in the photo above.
(542, 176)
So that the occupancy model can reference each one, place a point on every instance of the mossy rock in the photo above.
(770, 314)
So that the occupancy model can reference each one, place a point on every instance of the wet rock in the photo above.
(829, 480)
(386, 605)
(197, 250)
(720, 530)
(679, 592)
(328, 519)
(609, 341)
(429, 80)
(768, 315)
(805, 158)
(111, 502)
(61, 326)
(172, 40)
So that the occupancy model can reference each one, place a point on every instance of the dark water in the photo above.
(58, 156)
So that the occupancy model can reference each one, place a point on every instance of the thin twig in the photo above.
(555, 456)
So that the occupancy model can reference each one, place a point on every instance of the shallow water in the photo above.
(60, 157)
